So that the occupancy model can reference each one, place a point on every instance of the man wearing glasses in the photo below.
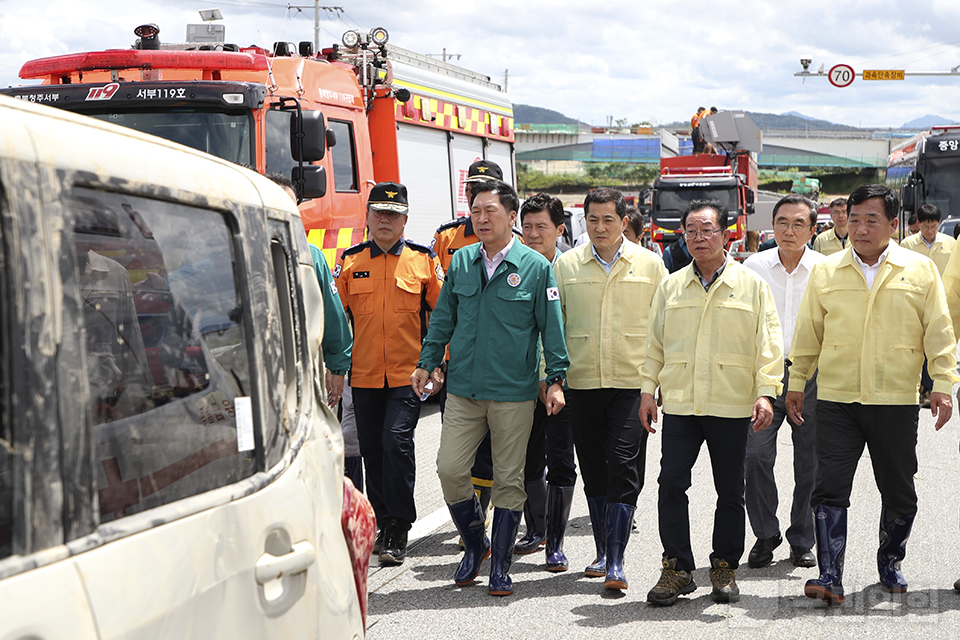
(387, 284)
(786, 269)
(714, 349)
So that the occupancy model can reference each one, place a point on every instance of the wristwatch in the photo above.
(556, 380)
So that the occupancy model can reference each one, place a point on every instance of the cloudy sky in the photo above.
(642, 60)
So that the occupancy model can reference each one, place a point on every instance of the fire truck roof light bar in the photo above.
(118, 59)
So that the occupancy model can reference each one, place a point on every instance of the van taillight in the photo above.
(360, 530)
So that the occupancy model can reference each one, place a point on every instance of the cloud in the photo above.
(654, 60)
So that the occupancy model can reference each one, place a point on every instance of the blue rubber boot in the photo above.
(894, 533)
(559, 500)
(598, 516)
(619, 520)
(505, 525)
(533, 517)
(830, 528)
(468, 518)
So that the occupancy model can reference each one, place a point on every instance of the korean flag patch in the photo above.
(553, 293)
(336, 270)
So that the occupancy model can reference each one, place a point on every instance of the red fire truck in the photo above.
(729, 177)
(339, 120)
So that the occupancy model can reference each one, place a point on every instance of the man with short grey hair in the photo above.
(786, 268)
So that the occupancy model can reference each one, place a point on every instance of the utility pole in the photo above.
(317, 7)
(506, 77)
(444, 56)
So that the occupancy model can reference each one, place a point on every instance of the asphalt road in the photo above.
(419, 599)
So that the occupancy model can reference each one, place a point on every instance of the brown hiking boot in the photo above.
(672, 584)
(724, 580)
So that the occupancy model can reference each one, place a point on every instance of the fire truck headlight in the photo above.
(379, 36)
(350, 39)
(233, 98)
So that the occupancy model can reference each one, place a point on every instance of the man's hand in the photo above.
(334, 388)
(795, 406)
(419, 379)
(941, 406)
(437, 377)
(555, 401)
(648, 411)
(762, 416)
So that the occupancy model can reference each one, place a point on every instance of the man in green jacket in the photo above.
(498, 301)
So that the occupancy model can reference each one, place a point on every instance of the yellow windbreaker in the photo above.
(828, 243)
(870, 344)
(714, 353)
(605, 317)
(939, 252)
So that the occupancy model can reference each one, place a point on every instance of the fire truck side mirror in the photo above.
(312, 181)
(331, 138)
(311, 134)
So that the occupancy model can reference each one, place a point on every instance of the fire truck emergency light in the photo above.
(379, 36)
(147, 31)
(350, 39)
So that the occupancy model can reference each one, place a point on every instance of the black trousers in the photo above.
(550, 448)
(386, 420)
(611, 443)
(681, 441)
(890, 434)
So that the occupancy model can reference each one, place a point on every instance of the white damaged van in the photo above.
(167, 466)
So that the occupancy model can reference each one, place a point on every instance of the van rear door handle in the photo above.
(270, 567)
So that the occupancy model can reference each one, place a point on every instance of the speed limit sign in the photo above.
(842, 75)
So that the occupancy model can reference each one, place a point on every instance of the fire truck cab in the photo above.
(338, 121)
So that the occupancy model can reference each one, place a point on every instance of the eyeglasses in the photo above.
(798, 227)
(706, 234)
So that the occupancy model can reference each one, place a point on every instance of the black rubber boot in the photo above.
(534, 514)
(830, 527)
(619, 519)
(894, 533)
(559, 500)
(598, 517)
(505, 525)
(468, 518)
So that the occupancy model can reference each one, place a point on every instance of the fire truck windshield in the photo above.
(225, 134)
(671, 202)
(943, 188)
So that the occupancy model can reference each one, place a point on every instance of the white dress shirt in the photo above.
(787, 288)
(492, 263)
(870, 270)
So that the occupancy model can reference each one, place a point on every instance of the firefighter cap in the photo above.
(482, 170)
(389, 196)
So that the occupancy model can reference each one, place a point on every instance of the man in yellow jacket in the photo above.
(868, 316)
(605, 290)
(834, 240)
(715, 349)
(938, 247)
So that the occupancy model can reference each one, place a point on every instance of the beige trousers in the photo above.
(465, 423)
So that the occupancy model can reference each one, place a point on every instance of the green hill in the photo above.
(526, 114)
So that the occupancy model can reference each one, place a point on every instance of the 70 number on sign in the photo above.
(842, 75)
